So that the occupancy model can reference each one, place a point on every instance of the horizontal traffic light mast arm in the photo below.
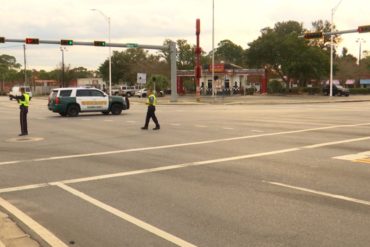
(125, 45)
(360, 29)
(341, 32)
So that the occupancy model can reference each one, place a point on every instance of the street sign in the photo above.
(141, 78)
(132, 45)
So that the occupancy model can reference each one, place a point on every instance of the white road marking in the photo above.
(182, 144)
(227, 128)
(45, 234)
(108, 120)
(130, 121)
(86, 119)
(200, 126)
(340, 197)
(175, 124)
(353, 157)
(171, 167)
(337, 142)
(289, 122)
(150, 228)
(258, 131)
(20, 188)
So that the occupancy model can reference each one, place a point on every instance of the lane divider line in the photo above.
(321, 193)
(141, 224)
(172, 167)
(178, 145)
(41, 231)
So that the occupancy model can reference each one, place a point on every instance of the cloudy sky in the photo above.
(152, 21)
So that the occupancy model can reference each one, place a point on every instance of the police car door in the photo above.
(91, 100)
(101, 100)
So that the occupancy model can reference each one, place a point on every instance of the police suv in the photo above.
(71, 101)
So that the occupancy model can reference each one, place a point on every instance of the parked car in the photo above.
(337, 90)
(141, 93)
(124, 90)
(144, 92)
(71, 101)
(15, 91)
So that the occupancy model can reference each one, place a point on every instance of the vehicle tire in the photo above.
(63, 114)
(116, 109)
(105, 112)
(73, 110)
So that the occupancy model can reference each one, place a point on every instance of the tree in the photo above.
(324, 43)
(8, 69)
(347, 67)
(229, 52)
(8, 62)
(126, 65)
(280, 51)
(161, 82)
(185, 58)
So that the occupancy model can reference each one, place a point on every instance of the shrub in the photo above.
(275, 86)
(312, 90)
(359, 90)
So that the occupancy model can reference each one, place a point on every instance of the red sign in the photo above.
(219, 68)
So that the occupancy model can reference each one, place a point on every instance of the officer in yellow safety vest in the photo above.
(152, 102)
(24, 102)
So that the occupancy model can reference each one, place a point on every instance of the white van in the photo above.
(16, 91)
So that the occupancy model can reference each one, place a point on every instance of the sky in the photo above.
(150, 22)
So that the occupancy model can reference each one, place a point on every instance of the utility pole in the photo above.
(62, 49)
(360, 41)
(25, 64)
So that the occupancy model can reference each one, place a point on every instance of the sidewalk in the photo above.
(12, 236)
(255, 99)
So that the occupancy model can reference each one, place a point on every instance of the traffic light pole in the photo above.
(172, 48)
(315, 35)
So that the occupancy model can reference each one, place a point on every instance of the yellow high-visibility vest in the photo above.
(26, 101)
(152, 100)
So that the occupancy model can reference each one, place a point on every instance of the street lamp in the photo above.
(62, 49)
(107, 18)
(331, 46)
(360, 41)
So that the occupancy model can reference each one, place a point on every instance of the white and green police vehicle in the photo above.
(71, 101)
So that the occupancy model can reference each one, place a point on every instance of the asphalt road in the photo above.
(214, 175)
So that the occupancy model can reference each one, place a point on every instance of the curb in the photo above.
(11, 234)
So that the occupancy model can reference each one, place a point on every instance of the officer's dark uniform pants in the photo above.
(23, 119)
(151, 114)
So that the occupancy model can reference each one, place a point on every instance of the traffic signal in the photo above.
(32, 41)
(315, 35)
(99, 43)
(363, 29)
(2, 40)
(66, 42)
